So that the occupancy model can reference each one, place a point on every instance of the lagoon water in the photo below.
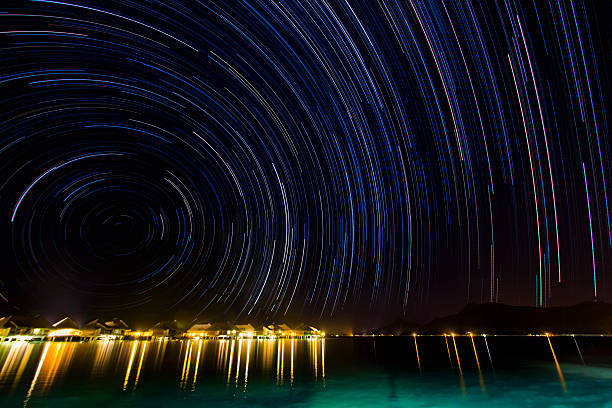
(335, 372)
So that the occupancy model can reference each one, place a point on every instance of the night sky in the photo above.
(270, 160)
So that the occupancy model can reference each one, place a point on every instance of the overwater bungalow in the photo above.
(307, 331)
(65, 329)
(33, 327)
(114, 329)
(117, 327)
(276, 330)
(267, 331)
(286, 330)
(167, 328)
(199, 330)
(95, 328)
(245, 330)
(222, 330)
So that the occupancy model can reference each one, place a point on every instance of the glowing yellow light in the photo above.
(106, 337)
(229, 366)
(323, 358)
(246, 368)
(21, 338)
(129, 366)
(142, 355)
(64, 332)
(40, 365)
(195, 371)
(291, 371)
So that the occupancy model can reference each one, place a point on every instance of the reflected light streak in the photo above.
(61, 359)
(323, 359)
(140, 360)
(559, 372)
(488, 351)
(416, 348)
(448, 350)
(292, 344)
(480, 379)
(231, 359)
(246, 368)
(278, 362)
(103, 352)
(238, 360)
(56, 357)
(578, 348)
(186, 364)
(14, 356)
(197, 363)
(129, 366)
(459, 366)
(40, 364)
(282, 366)
(25, 357)
(316, 363)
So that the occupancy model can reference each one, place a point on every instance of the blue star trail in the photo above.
(318, 158)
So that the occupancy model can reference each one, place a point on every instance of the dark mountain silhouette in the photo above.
(496, 318)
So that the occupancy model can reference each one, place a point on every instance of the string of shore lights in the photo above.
(270, 157)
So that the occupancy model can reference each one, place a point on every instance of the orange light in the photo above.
(64, 332)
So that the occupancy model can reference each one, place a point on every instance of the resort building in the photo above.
(199, 330)
(284, 330)
(24, 328)
(4, 327)
(65, 329)
(276, 330)
(117, 327)
(222, 330)
(245, 330)
(114, 329)
(35, 328)
(167, 328)
(94, 328)
(306, 331)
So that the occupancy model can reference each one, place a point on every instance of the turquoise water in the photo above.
(342, 372)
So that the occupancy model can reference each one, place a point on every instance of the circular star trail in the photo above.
(265, 158)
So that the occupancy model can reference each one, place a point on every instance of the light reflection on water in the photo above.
(233, 359)
(453, 371)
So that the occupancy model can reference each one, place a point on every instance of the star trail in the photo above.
(317, 158)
